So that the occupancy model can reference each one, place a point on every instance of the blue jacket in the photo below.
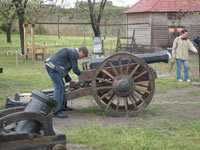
(64, 60)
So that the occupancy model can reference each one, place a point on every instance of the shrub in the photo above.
(40, 30)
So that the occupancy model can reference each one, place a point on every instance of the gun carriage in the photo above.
(30, 128)
(121, 84)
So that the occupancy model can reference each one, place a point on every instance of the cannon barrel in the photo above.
(149, 58)
(40, 103)
(162, 56)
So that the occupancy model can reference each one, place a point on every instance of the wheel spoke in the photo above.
(104, 88)
(140, 98)
(106, 94)
(142, 82)
(113, 68)
(141, 74)
(133, 101)
(126, 104)
(139, 92)
(133, 98)
(146, 86)
(129, 61)
(145, 91)
(110, 75)
(120, 66)
(134, 70)
(111, 100)
(118, 102)
(104, 80)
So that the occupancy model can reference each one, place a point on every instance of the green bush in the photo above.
(3, 27)
(40, 30)
(1, 32)
(14, 31)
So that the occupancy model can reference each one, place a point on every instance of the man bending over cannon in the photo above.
(58, 67)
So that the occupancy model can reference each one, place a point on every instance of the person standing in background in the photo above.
(180, 53)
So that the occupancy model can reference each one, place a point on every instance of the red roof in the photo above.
(164, 6)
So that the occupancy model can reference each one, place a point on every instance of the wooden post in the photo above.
(102, 43)
(33, 41)
(43, 55)
(133, 41)
(84, 36)
(25, 25)
(118, 45)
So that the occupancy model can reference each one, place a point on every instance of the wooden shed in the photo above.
(163, 20)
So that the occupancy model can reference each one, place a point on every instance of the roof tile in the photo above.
(164, 6)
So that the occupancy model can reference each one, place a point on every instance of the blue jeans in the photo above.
(59, 88)
(178, 69)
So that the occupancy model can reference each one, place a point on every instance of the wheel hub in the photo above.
(123, 85)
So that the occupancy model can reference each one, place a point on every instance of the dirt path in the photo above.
(173, 106)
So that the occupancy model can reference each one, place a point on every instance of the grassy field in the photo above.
(181, 137)
(25, 75)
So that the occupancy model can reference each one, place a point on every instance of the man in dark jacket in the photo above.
(58, 67)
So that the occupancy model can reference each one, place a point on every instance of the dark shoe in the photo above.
(69, 108)
(66, 108)
(60, 114)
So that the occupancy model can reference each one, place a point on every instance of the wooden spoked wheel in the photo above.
(123, 85)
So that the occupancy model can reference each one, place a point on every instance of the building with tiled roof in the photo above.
(159, 17)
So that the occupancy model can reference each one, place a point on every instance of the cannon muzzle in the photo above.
(39, 103)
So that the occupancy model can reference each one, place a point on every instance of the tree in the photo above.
(8, 14)
(95, 16)
(20, 6)
(59, 13)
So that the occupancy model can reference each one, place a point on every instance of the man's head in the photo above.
(184, 33)
(83, 52)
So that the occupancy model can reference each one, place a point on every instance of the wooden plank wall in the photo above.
(161, 24)
(192, 23)
(142, 31)
(159, 29)
(156, 33)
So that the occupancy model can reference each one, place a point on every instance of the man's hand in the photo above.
(173, 60)
(172, 64)
(73, 84)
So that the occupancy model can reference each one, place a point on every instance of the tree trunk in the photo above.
(8, 33)
(96, 30)
(96, 17)
(21, 32)
(21, 8)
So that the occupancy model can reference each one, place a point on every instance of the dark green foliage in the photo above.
(3, 27)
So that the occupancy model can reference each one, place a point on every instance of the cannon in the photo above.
(122, 84)
(30, 127)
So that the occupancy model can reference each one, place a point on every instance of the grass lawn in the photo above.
(25, 75)
(184, 136)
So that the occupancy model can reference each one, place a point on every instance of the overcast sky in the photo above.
(124, 2)
(70, 3)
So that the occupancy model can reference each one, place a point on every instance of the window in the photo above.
(175, 15)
